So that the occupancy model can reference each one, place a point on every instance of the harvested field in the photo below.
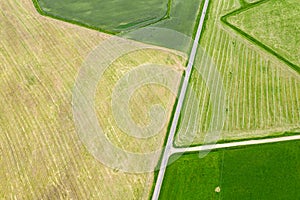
(41, 154)
(141, 100)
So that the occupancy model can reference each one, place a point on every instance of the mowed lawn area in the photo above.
(270, 171)
(274, 25)
(106, 15)
(262, 93)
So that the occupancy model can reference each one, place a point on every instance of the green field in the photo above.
(272, 25)
(181, 20)
(106, 15)
(42, 155)
(124, 15)
(262, 92)
(268, 171)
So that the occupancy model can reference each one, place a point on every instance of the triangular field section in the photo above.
(273, 25)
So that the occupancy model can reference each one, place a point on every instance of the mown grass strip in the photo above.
(224, 19)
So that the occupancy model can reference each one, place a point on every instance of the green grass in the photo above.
(122, 16)
(191, 178)
(270, 171)
(262, 92)
(183, 16)
(106, 15)
(271, 25)
(243, 3)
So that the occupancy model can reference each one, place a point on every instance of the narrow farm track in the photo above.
(234, 144)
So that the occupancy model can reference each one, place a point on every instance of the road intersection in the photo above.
(169, 148)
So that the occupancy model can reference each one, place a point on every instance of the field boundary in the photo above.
(78, 23)
(224, 19)
(234, 144)
(43, 13)
(225, 141)
(230, 143)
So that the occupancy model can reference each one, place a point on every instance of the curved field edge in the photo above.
(82, 24)
(224, 19)
(42, 12)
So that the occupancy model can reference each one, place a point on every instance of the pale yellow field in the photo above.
(141, 101)
(41, 155)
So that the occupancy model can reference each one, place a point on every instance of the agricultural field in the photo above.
(108, 16)
(42, 155)
(97, 14)
(262, 91)
(272, 24)
(244, 84)
(149, 95)
(180, 20)
(269, 171)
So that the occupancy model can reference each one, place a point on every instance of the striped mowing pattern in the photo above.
(262, 93)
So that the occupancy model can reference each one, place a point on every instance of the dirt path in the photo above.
(235, 144)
